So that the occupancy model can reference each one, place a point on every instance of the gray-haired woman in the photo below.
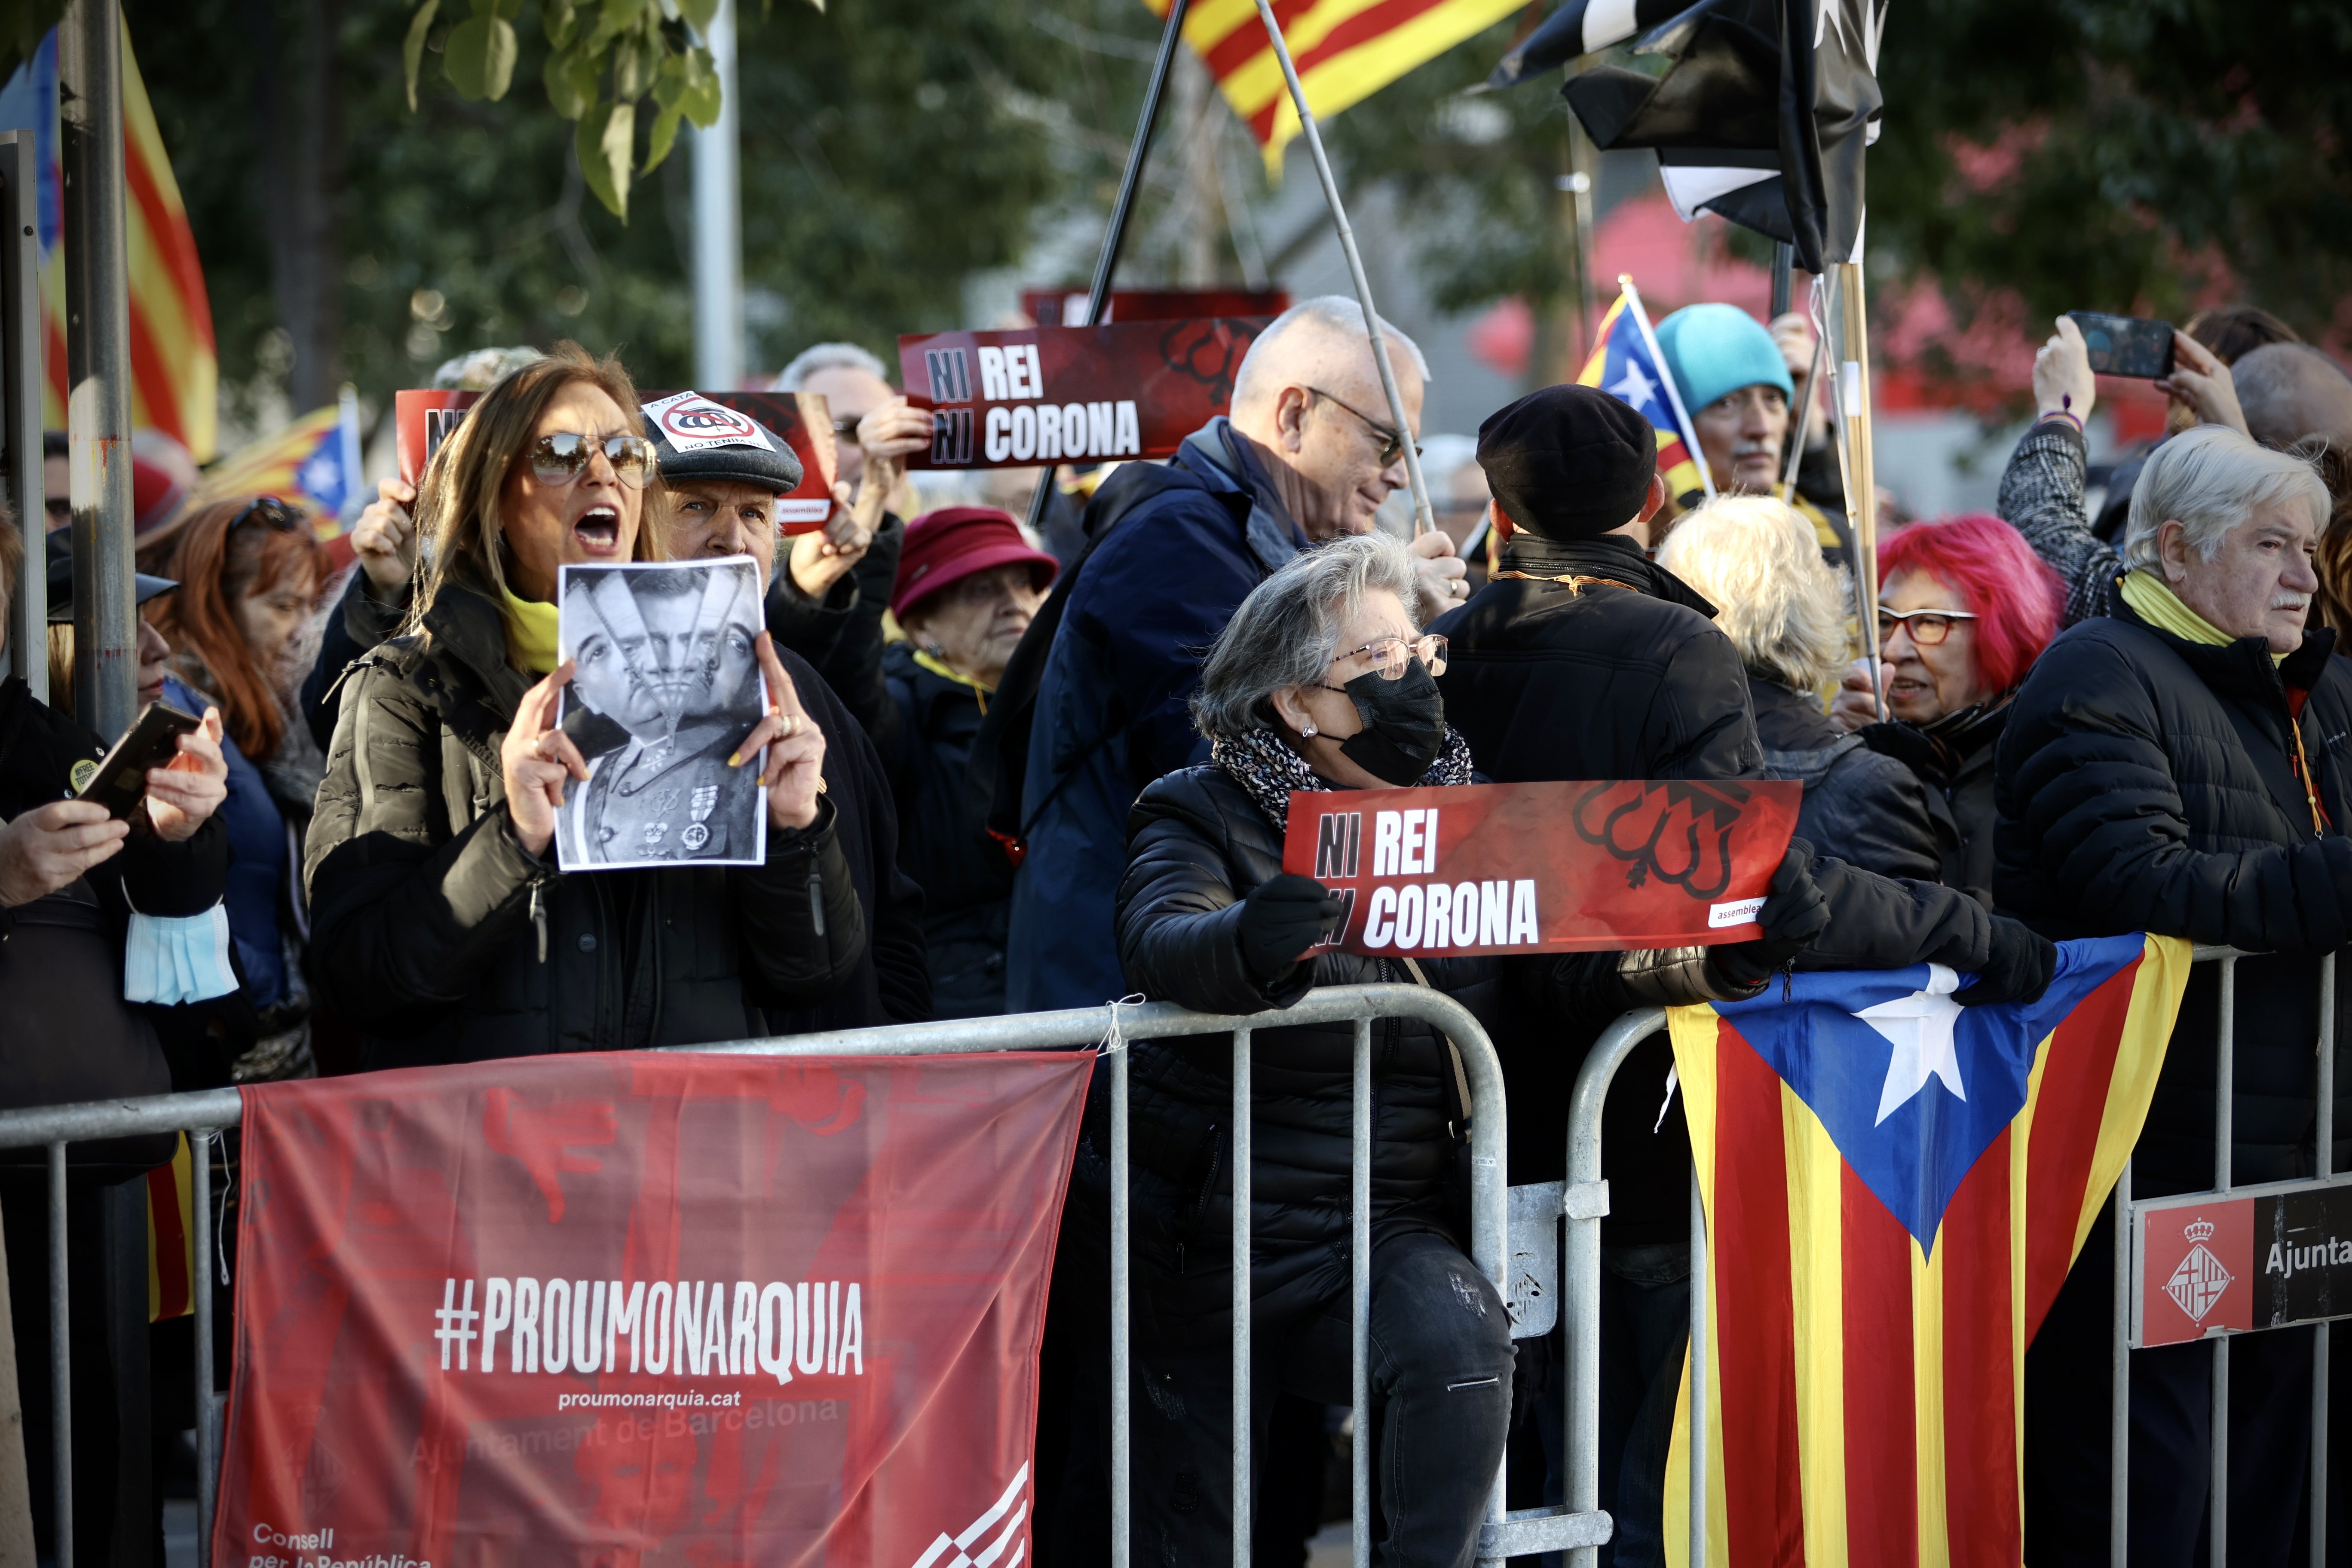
(1321, 681)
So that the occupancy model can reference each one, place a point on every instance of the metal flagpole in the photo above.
(98, 364)
(1424, 519)
(718, 224)
(1123, 207)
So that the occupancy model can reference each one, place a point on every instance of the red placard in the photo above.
(1544, 867)
(645, 1309)
(421, 418)
(1066, 307)
(1071, 394)
(2197, 1269)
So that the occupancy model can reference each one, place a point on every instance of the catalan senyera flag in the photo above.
(1345, 51)
(174, 372)
(172, 1237)
(1895, 1187)
(314, 462)
(1626, 364)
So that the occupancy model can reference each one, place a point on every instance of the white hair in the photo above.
(1287, 631)
(2209, 480)
(828, 356)
(1780, 603)
(1263, 376)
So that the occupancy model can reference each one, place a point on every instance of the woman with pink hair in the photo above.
(1965, 607)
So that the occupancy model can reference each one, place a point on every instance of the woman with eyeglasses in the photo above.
(439, 918)
(250, 571)
(1965, 607)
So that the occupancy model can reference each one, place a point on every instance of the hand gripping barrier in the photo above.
(1587, 1200)
(1114, 1027)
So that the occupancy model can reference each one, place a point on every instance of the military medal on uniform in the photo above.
(698, 834)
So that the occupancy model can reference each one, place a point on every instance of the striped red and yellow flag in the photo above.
(1895, 1188)
(1345, 51)
(172, 1237)
(1625, 364)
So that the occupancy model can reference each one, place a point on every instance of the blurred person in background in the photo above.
(968, 586)
(1964, 609)
(1733, 381)
(1787, 611)
(2231, 332)
(74, 882)
(439, 916)
(1306, 457)
(250, 571)
(719, 501)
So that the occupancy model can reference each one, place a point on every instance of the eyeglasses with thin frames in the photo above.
(1928, 628)
(1391, 656)
(1391, 443)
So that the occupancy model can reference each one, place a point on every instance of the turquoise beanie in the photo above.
(1713, 350)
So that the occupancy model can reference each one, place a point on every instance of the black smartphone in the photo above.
(121, 782)
(2126, 345)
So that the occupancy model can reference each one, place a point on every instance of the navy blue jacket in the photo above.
(1110, 713)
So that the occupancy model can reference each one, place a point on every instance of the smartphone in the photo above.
(2126, 345)
(121, 782)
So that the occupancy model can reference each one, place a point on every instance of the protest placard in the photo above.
(1071, 394)
(1066, 307)
(639, 1309)
(422, 419)
(1543, 868)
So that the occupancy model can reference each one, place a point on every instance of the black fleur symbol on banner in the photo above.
(1679, 831)
(1209, 351)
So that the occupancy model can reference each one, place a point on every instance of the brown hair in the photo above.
(218, 555)
(458, 512)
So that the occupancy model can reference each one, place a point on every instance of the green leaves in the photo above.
(605, 57)
(480, 56)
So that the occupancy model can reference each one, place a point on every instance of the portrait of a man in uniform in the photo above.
(667, 686)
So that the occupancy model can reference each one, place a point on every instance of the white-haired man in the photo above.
(2179, 766)
(1308, 455)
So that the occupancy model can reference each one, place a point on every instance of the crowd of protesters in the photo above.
(1004, 772)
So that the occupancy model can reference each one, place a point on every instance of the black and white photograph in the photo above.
(666, 686)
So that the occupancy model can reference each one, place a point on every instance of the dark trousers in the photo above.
(107, 1338)
(2067, 1387)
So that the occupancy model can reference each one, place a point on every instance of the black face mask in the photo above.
(1404, 724)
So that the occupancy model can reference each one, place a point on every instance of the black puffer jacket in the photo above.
(2147, 783)
(1953, 758)
(448, 941)
(1866, 809)
(1197, 845)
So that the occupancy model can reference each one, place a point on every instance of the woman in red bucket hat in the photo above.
(968, 586)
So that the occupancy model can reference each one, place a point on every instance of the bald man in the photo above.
(2292, 393)
(1308, 455)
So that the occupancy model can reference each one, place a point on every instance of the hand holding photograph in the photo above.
(667, 686)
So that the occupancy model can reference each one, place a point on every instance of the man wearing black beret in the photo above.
(1582, 659)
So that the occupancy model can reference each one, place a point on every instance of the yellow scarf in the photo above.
(2154, 601)
(939, 668)
(531, 632)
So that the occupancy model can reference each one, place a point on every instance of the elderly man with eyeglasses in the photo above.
(1307, 455)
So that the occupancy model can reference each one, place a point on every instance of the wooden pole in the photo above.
(1850, 352)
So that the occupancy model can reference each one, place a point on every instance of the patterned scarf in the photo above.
(1263, 764)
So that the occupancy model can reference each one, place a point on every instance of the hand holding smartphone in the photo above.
(120, 781)
(2126, 345)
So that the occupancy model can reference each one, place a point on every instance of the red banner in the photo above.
(421, 419)
(1067, 307)
(1071, 394)
(645, 1309)
(1544, 867)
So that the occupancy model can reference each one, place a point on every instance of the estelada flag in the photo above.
(1345, 51)
(314, 463)
(641, 1308)
(175, 370)
(1627, 365)
(1894, 1187)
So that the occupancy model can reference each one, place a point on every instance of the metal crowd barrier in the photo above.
(1580, 1524)
(1586, 1200)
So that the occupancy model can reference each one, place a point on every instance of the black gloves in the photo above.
(2018, 968)
(1794, 914)
(1280, 920)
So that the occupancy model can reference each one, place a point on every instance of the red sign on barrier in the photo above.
(1066, 307)
(1544, 867)
(1071, 394)
(638, 1309)
(423, 419)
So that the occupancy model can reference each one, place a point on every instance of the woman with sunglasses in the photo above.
(440, 919)
(1965, 607)
(250, 571)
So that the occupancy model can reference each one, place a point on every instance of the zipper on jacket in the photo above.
(539, 913)
(816, 901)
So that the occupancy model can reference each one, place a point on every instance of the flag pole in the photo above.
(1667, 376)
(1122, 208)
(1852, 400)
(1424, 519)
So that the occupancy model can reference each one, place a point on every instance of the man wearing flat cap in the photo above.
(1582, 659)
